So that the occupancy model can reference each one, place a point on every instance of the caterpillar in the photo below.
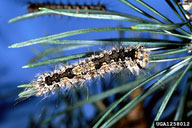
(133, 58)
(34, 7)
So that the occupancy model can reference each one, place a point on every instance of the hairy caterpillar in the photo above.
(133, 58)
(34, 7)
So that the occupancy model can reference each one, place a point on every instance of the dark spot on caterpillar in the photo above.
(69, 73)
(139, 66)
(62, 75)
(107, 58)
(123, 64)
(56, 77)
(114, 56)
(56, 86)
(132, 54)
(48, 80)
(34, 7)
(121, 54)
(121, 50)
(97, 62)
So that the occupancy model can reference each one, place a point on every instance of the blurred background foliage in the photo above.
(161, 92)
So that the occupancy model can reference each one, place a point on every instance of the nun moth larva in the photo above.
(34, 7)
(132, 58)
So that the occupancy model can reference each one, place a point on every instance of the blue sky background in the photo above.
(13, 59)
